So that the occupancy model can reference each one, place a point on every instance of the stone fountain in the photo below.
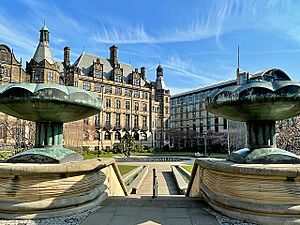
(260, 104)
(260, 183)
(51, 180)
(50, 106)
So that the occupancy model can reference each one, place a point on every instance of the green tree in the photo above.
(128, 143)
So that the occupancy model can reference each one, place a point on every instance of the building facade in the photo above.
(189, 120)
(131, 103)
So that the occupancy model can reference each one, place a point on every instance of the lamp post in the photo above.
(98, 149)
(205, 143)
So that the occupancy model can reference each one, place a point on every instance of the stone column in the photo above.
(49, 134)
(261, 134)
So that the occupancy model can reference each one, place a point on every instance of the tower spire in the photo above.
(43, 50)
(44, 33)
(238, 62)
(238, 57)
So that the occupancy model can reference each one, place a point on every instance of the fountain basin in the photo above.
(31, 190)
(261, 100)
(258, 193)
(55, 154)
(48, 102)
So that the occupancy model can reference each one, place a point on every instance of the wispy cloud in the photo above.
(58, 40)
(182, 68)
(123, 35)
(177, 90)
(195, 28)
(12, 33)
(221, 18)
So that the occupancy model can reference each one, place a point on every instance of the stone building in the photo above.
(13, 132)
(131, 103)
(42, 68)
(189, 120)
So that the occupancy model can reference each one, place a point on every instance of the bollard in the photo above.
(155, 184)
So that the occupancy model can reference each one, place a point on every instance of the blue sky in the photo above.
(195, 41)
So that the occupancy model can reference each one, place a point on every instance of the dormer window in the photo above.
(98, 74)
(118, 74)
(98, 68)
(136, 78)
(118, 78)
(136, 82)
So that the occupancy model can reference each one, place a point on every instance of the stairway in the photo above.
(166, 182)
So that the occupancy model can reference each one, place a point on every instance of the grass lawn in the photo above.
(188, 168)
(110, 154)
(165, 153)
(103, 155)
(125, 169)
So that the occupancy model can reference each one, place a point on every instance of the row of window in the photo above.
(5, 72)
(190, 99)
(136, 136)
(118, 91)
(208, 125)
(118, 120)
(118, 105)
(189, 108)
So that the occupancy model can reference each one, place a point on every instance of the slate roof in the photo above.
(42, 52)
(85, 63)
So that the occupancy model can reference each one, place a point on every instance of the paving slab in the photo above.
(143, 210)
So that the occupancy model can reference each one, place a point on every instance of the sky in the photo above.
(195, 41)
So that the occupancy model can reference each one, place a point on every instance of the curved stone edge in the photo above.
(52, 203)
(222, 165)
(21, 208)
(259, 212)
(256, 218)
(249, 207)
(56, 212)
(69, 167)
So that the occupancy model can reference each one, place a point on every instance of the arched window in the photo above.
(118, 136)
(136, 136)
(107, 135)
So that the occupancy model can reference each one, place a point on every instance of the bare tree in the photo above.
(75, 133)
(288, 135)
(17, 133)
(237, 135)
(216, 141)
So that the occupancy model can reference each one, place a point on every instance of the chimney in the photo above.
(143, 73)
(114, 55)
(67, 52)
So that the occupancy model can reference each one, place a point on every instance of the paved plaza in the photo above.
(143, 210)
